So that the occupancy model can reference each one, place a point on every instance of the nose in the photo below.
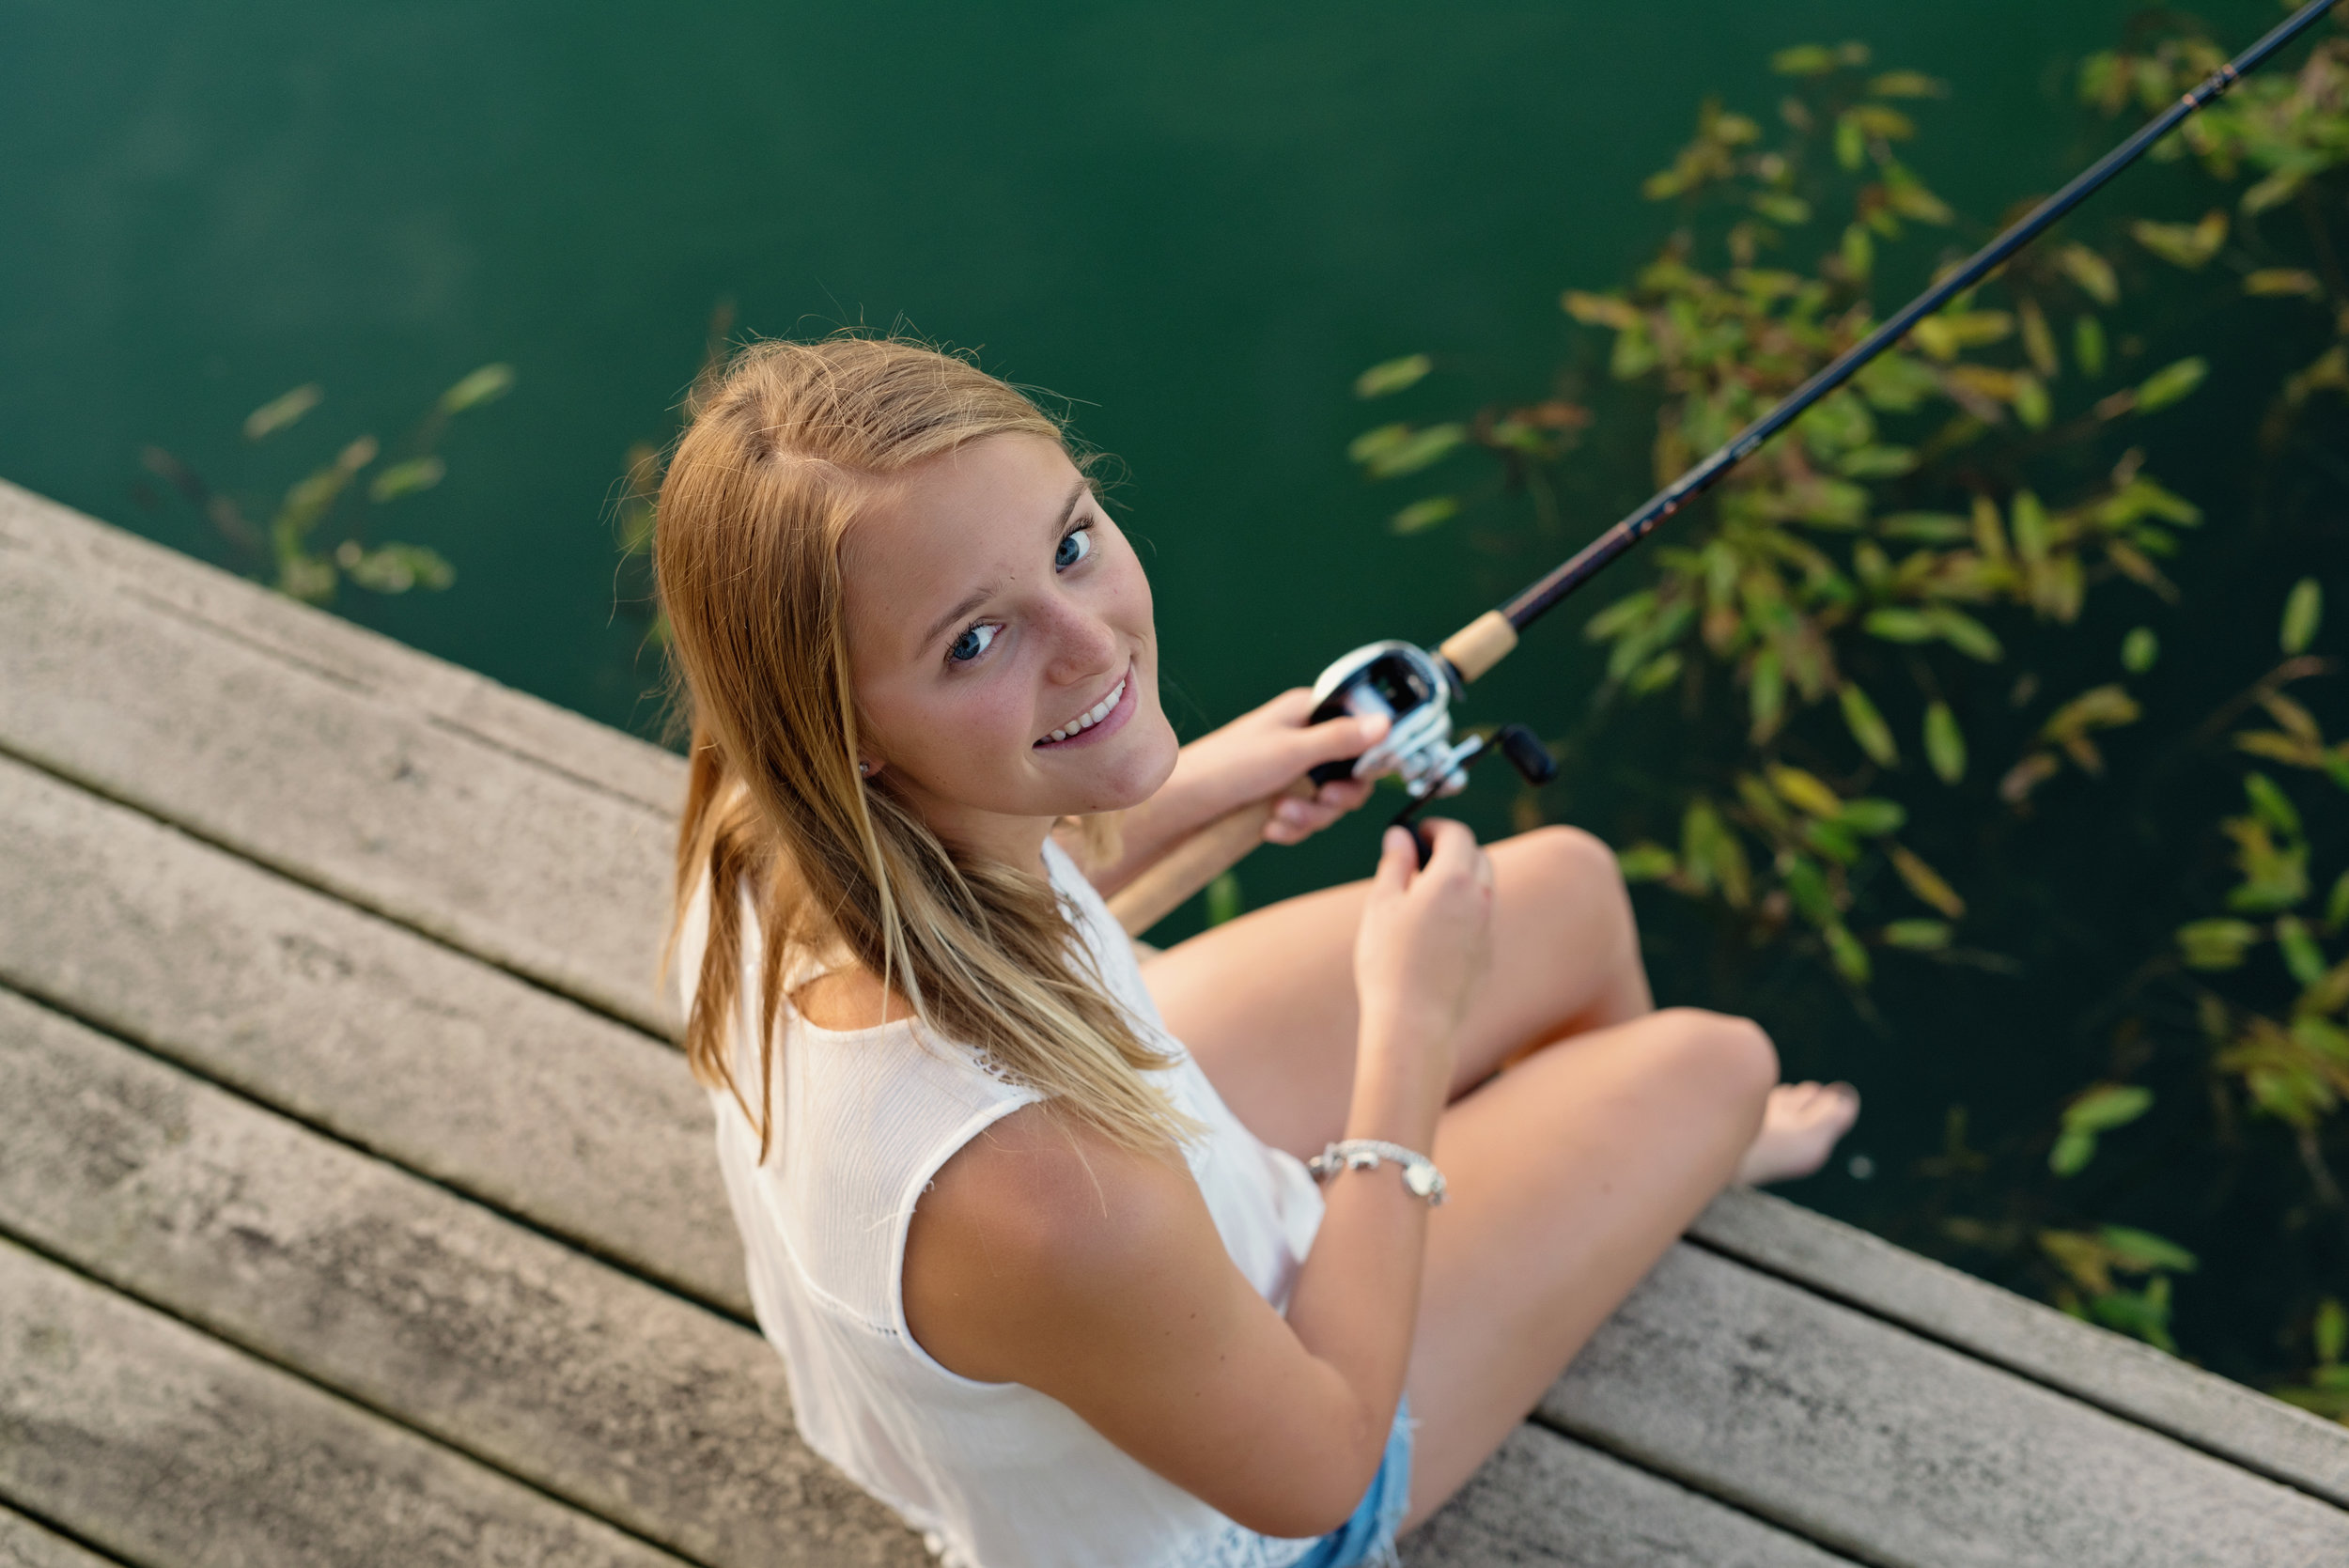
(1083, 645)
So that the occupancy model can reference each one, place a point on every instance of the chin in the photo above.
(1134, 770)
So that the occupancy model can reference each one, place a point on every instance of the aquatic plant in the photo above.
(320, 531)
(1858, 632)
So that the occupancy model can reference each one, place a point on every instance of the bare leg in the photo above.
(1266, 1002)
(1570, 1173)
(1569, 1176)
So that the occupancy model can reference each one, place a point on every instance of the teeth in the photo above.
(1091, 716)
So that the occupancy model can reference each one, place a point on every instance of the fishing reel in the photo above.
(1415, 689)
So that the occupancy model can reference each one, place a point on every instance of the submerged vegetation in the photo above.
(1964, 698)
(320, 532)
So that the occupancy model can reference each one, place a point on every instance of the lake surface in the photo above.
(1195, 223)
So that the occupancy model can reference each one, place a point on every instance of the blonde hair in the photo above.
(781, 452)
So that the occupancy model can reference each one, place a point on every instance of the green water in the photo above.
(1196, 222)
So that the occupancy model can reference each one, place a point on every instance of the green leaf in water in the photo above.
(2138, 650)
(1945, 743)
(1656, 673)
(2091, 271)
(1392, 376)
(2271, 804)
(485, 385)
(1925, 882)
(1376, 443)
(1645, 863)
(1844, 949)
(2096, 1110)
(1422, 515)
(406, 478)
(2282, 281)
(2303, 958)
(2329, 1331)
(1224, 899)
(2032, 403)
(1924, 527)
(1805, 792)
(1873, 817)
(2136, 1251)
(2187, 245)
(1804, 59)
(1877, 462)
(1784, 209)
(1867, 726)
(1418, 450)
(1965, 634)
(2171, 384)
(1858, 250)
(2304, 610)
(394, 569)
(1907, 84)
(1918, 936)
(1851, 141)
(2215, 944)
(283, 410)
(2087, 345)
(1899, 626)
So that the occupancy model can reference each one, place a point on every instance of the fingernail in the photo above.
(1374, 726)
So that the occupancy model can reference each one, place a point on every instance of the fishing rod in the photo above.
(1415, 688)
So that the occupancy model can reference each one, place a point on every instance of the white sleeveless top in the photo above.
(995, 1474)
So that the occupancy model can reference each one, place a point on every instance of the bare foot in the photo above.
(1800, 1124)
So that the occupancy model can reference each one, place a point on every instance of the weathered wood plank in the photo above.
(290, 765)
(391, 673)
(26, 1544)
(1898, 1451)
(2130, 1379)
(1545, 1499)
(448, 1066)
(166, 1447)
(613, 1395)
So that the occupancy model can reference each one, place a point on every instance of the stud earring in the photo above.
(864, 769)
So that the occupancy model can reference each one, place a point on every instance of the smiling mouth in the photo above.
(1093, 715)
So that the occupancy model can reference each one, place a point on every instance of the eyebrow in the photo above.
(972, 600)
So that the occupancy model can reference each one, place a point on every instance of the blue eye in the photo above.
(973, 643)
(1075, 546)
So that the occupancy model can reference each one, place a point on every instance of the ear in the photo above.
(867, 770)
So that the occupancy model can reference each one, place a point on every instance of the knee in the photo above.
(1574, 870)
(1730, 1055)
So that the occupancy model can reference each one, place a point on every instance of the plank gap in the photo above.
(585, 1246)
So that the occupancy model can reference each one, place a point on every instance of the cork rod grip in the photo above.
(1479, 645)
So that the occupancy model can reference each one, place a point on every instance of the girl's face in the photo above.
(1001, 645)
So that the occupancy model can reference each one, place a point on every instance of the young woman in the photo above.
(1031, 1224)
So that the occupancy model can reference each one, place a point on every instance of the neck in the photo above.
(1013, 840)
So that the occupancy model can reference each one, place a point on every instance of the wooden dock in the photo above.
(355, 1208)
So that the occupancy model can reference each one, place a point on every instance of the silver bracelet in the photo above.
(1419, 1176)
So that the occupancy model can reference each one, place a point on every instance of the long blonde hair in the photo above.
(780, 453)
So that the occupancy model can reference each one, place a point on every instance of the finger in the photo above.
(1455, 846)
(1398, 861)
(1336, 739)
(1287, 712)
(1345, 796)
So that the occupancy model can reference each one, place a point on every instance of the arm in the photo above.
(1046, 1255)
(1255, 756)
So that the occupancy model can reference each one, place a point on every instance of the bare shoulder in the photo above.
(1033, 1231)
(849, 997)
